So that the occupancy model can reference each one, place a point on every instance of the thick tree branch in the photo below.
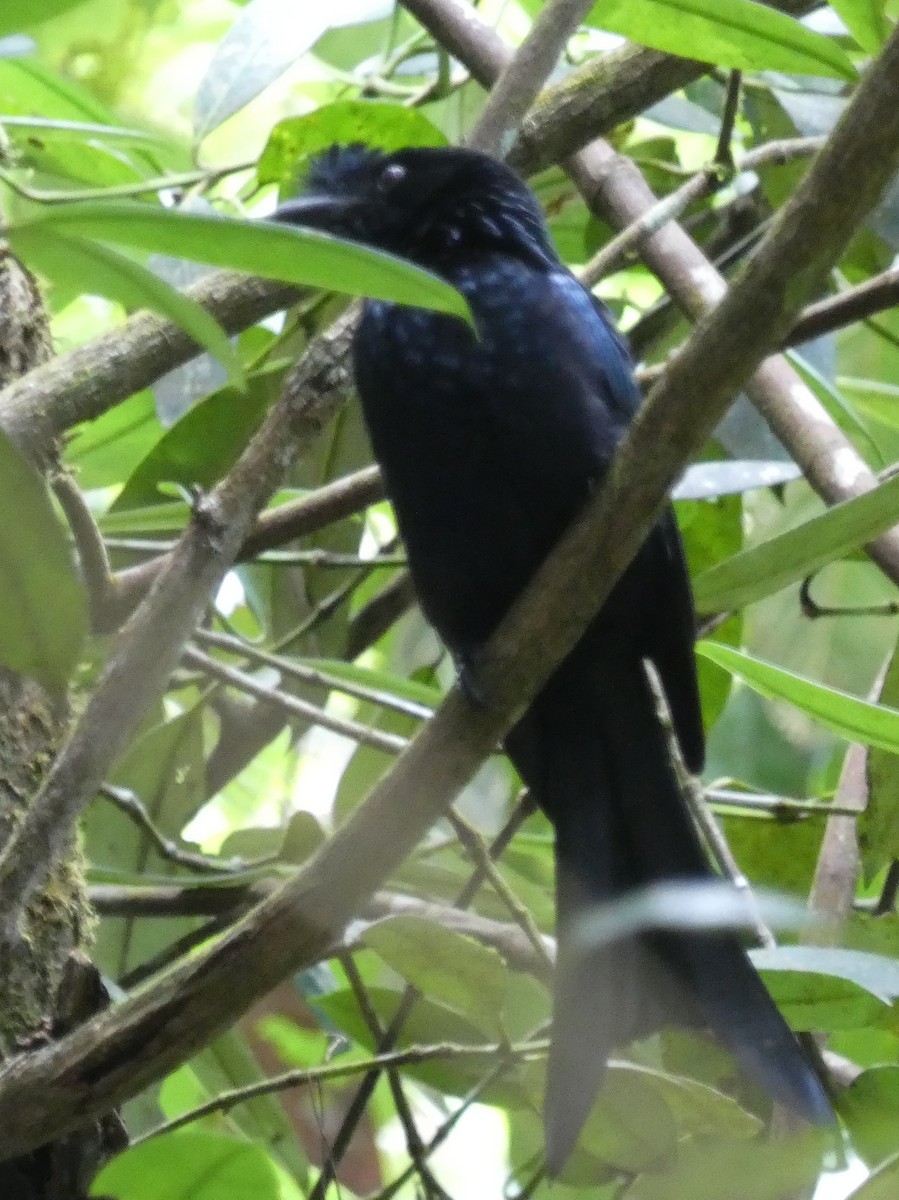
(855, 304)
(608, 90)
(85, 382)
(117, 1054)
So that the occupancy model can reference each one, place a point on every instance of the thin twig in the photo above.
(295, 706)
(92, 557)
(313, 675)
(724, 152)
(338, 1070)
(144, 187)
(408, 1000)
(519, 83)
(474, 846)
(129, 803)
(414, 1144)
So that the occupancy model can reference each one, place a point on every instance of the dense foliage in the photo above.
(128, 130)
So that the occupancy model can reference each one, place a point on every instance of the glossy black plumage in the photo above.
(489, 448)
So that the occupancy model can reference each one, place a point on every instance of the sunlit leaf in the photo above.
(17, 15)
(386, 126)
(865, 20)
(264, 40)
(728, 33)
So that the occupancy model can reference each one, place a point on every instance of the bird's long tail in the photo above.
(594, 752)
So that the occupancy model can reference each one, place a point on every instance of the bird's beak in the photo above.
(330, 214)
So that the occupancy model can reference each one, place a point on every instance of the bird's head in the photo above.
(426, 204)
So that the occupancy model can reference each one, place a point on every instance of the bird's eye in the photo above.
(392, 174)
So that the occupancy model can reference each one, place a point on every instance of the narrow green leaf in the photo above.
(793, 555)
(303, 257)
(43, 607)
(865, 20)
(380, 681)
(851, 718)
(728, 33)
(73, 261)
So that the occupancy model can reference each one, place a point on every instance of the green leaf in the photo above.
(799, 552)
(105, 451)
(819, 1001)
(865, 20)
(712, 530)
(190, 1165)
(303, 257)
(43, 606)
(73, 261)
(878, 825)
(17, 15)
(147, 520)
(881, 1184)
(631, 1125)
(870, 1108)
(429, 1021)
(853, 719)
(201, 446)
(378, 681)
(28, 87)
(699, 1109)
(728, 33)
(737, 1170)
(875, 973)
(467, 976)
(385, 126)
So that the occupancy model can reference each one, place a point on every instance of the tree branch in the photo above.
(120, 1052)
(85, 382)
(150, 644)
(524, 74)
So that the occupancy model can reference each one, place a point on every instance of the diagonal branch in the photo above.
(120, 1052)
(523, 76)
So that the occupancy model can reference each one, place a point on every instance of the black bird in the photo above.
(489, 446)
